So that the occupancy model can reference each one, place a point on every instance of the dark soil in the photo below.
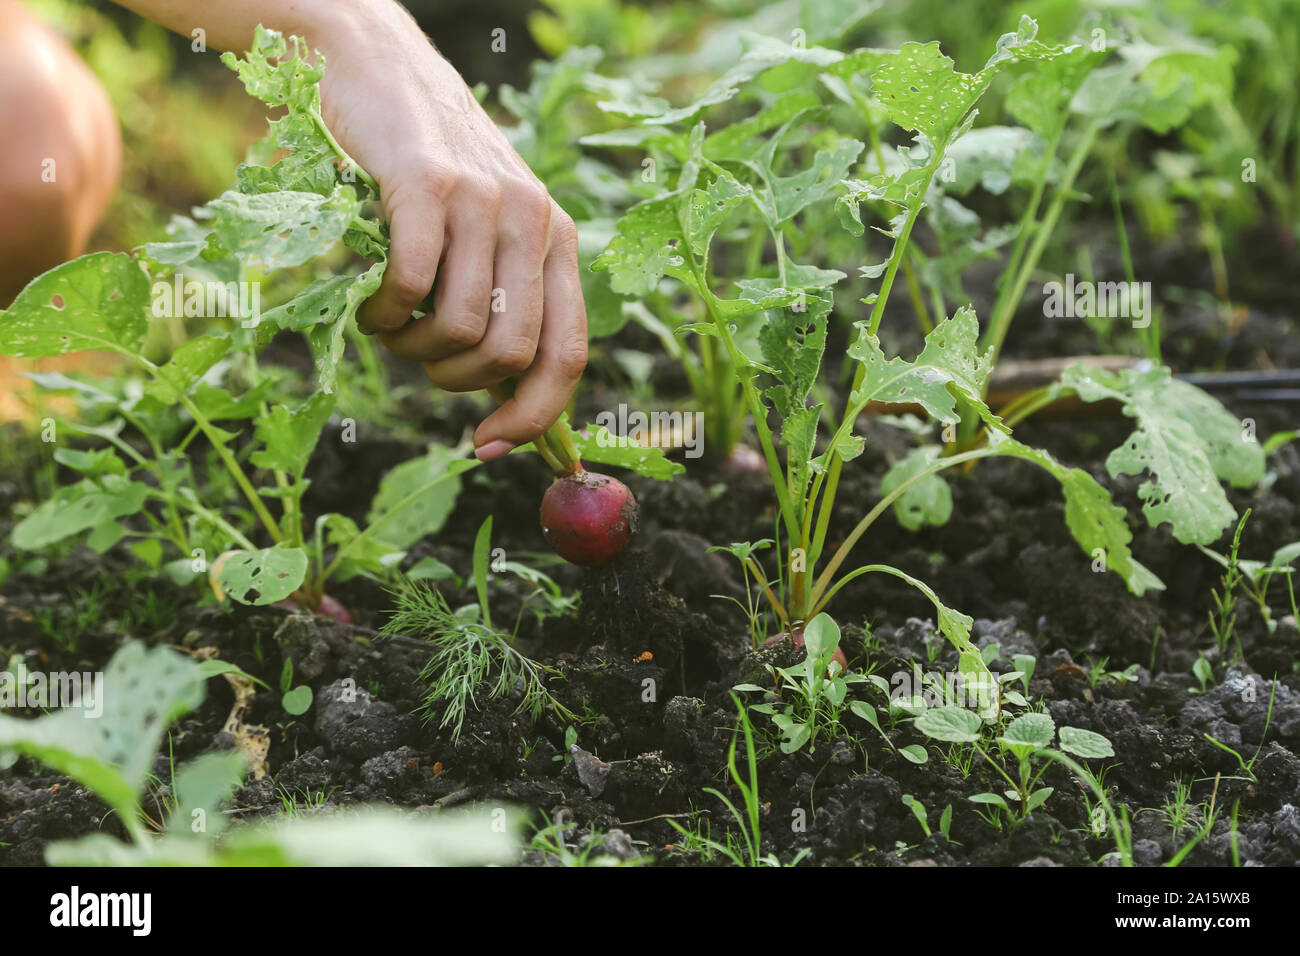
(652, 654)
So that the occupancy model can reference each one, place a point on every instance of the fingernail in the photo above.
(493, 450)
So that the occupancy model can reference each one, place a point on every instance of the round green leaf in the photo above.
(1084, 743)
(952, 724)
(1029, 732)
(264, 576)
(914, 752)
(298, 700)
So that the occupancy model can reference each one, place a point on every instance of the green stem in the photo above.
(227, 459)
(740, 367)
(761, 579)
(384, 518)
(841, 553)
(547, 455)
(1001, 320)
(289, 502)
(209, 431)
(364, 176)
(1027, 218)
(995, 766)
(909, 274)
(895, 260)
(235, 534)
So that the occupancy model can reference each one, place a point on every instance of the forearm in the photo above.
(229, 24)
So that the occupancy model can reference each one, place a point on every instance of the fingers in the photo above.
(516, 303)
(508, 300)
(545, 388)
(462, 304)
(416, 226)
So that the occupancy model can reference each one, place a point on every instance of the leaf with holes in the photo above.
(324, 301)
(1099, 525)
(285, 228)
(1185, 439)
(263, 576)
(99, 302)
(326, 338)
(949, 370)
(134, 702)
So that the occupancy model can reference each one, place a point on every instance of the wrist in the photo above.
(344, 30)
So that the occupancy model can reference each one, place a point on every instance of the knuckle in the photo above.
(530, 201)
(438, 181)
(461, 330)
(564, 230)
(514, 356)
(410, 285)
(571, 360)
(485, 194)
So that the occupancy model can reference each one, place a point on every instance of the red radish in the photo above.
(798, 642)
(329, 608)
(744, 460)
(588, 518)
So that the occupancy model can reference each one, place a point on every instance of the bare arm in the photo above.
(457, 198)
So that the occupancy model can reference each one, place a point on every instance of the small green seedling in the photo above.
(896, 709)
(1248, 766)
(919, 811)
(295, 700)
(1252, 577)
(468, 651)
(1203, 671)
(747, 851)
(1028, 739)
(818, 688)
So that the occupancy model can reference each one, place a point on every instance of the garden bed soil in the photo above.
(653, 652)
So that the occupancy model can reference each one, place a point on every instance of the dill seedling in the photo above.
(465, 654)
(468, 651)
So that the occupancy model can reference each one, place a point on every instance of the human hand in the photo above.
(462, 207)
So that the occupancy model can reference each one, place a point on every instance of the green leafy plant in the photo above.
(281, 216)
(1027, 739)
(746, 851)
(144, 691)
(769, 338)
(295, 700)
(1252, 577)
(467, 650)
(553, 843)
(818, 689)
(1248, 766)
(284, 215)
(1203, 671)
(922, 817)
